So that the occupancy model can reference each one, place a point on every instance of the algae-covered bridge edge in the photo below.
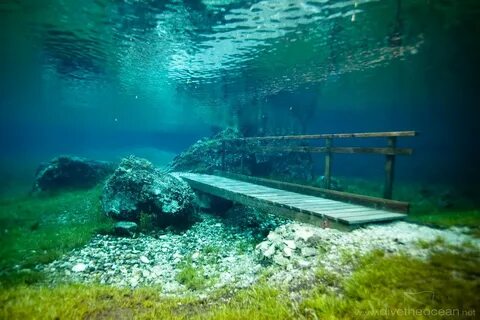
(308, 203)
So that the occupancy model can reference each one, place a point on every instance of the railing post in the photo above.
(389, 169)
(242, 159)
(328, 162)
(223, 155)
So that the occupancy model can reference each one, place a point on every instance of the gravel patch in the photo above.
(290, 255)
(224, 253)
(298, 250)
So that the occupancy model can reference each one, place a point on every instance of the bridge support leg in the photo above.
(389, 170)
(328, 163)
(223, 155)
(242, 163)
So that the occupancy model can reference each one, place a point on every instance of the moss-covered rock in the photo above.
(70, 172)
(265, 158)
(138, 187)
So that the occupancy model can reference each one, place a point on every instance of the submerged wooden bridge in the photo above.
(320, 206)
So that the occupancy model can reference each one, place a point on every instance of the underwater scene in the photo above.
(239, 159)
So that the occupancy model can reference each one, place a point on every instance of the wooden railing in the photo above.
(390, 151)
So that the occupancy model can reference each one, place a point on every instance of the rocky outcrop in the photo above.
(70, 172)
(206, 156)
(137, 187)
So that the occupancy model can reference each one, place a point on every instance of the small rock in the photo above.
(269, 252)
(308, 252)
(125, 228)
(79, 267)
(303, 234)
(156, 270)
(177, 255)
(134, 281)
(280, 260)
(304, 264)
(290, 244)
(274, 237)
(144, 259)
(287, 252)
(195, 255)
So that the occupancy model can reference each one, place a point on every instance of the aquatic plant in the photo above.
(245, 246)
(349, 257)
(258, 302)
(388, 286)
(211, 249)
(146, 221)
(424, 244)
(381, 284)
(39, 229)
(191, 276)
(326, 278)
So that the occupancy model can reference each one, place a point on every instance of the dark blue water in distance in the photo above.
(104, 79)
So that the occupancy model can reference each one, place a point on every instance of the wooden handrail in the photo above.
(390, 151)
(348, 150)
(332, 135)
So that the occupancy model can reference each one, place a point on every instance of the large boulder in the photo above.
(261, 158)
(71, 172)
(205, 155)
(137, 187)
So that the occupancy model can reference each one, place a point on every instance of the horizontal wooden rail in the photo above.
(393, 205)
(389, 151)
(350, 150)
(332, 135)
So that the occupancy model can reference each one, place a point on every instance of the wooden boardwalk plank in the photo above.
(291, 204)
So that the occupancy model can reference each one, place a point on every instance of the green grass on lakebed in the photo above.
(39, 229)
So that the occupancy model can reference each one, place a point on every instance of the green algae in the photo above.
(191, 277)
(382, 286)
(450, 218)
(39, 229)
(402, 287)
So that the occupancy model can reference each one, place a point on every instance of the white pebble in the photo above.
(79, 267)
(287, 252)
(195, 255)
(290, 243)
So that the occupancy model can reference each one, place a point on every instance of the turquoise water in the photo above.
(105, 79)
(102, 76)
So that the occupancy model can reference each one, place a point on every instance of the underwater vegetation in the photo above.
(131, 240)
(383, 286)
(190, 276)
(42, 227)
(39, 229)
